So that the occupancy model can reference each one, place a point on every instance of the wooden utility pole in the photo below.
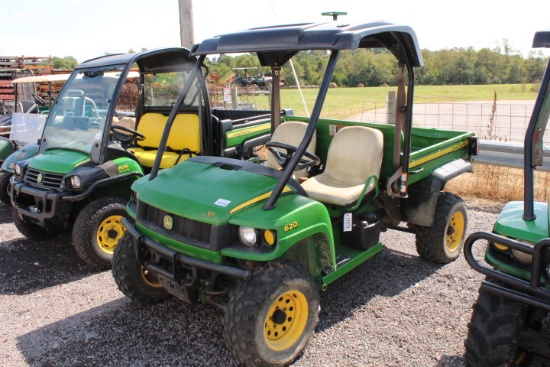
(186, 23)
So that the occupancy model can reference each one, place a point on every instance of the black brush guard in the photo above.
(532, 292)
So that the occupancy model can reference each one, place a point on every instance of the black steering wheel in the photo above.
(283, 158)
(125, 139)
(39, 100)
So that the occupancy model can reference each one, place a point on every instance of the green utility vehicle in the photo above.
(506, 327)
(103, 132)
(261, 239)
(25, 127)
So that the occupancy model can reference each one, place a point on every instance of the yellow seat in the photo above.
(354, 160)
(183, 142)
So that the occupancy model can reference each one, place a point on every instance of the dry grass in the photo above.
(497, 183)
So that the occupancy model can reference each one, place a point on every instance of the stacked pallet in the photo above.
(13, 67)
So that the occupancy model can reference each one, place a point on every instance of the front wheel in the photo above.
(442, 242)
(494, 332)
(270, 317)
(131, 278)
(5, 188)
(97, 230)
(31, 230)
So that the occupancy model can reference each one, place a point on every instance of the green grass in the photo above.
(357, 99)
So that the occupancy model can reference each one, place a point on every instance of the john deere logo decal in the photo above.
(168, 222)
(39, 178)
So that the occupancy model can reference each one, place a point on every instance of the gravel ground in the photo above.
(394, 310)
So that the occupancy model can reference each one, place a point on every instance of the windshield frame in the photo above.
(100, 119)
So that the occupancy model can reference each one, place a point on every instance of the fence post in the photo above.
(391, 102)
(234, 98)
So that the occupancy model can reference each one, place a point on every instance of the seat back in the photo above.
(128, 122)
(354, 154)
(291, 133)
(151, 125)
(185, 133)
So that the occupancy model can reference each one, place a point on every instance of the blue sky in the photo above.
(85, 29)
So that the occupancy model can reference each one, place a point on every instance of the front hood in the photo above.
(208, 189)
(58, 160)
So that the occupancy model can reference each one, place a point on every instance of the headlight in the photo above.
(74, 182)
(522, 256)
(18, 170)
(248, 235)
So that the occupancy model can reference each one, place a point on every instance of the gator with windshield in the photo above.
(259, 239)
(103, 133)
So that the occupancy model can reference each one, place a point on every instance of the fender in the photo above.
(297, 220)
(7, 147)
(419, 208)
(28, 151)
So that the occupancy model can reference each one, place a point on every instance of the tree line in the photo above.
(377, 67)
(374, 67)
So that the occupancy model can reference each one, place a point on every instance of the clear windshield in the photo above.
(78, 116)
(163, 89)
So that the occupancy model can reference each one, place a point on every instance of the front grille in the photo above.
(43, 179)
(183, 229)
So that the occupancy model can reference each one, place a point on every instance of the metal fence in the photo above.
(501, 121)
(500, 127)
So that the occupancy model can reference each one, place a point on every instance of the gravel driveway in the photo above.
(394, 310)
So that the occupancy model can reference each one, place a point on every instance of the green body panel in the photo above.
(295, 218)
(511, 224)
(209, 193)
(25, 152)
(236, 137)
(430, 148)
(357, 257)
(59, 160)
(509, 267)
(127, 165)
(6, 148)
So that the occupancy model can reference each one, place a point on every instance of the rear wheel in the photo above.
(31, 230)
(494, 332)
(270, 317)
(443, 241)
(5, 187)
(132, 279)
(97, 230)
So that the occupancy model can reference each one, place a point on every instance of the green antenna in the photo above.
(334, 14)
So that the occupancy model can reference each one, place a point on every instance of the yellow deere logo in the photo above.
(168, 222)
(39, 178)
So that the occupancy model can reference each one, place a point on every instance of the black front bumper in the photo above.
(533, 292)
(183, 272)
(42, 204)
(45, 204)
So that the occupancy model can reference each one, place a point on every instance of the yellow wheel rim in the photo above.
(286, 320)
(109, 232)
(150, 279)
(455, 231)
